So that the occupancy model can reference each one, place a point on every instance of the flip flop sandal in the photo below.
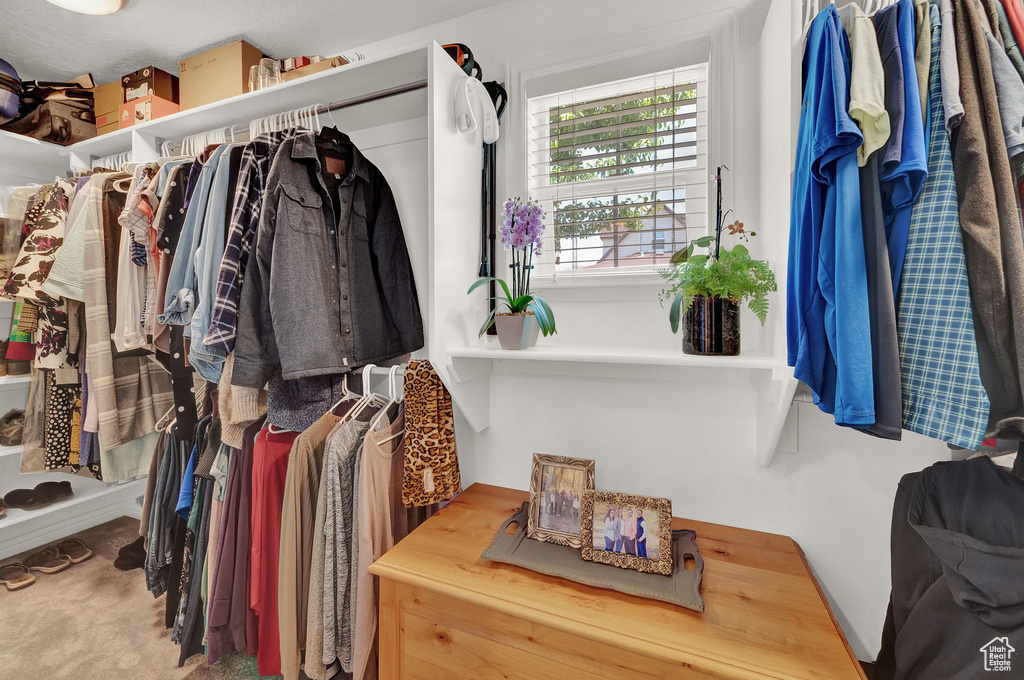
(44, 494)
(16, 575)
(74, 549)
(48, 560)
(26, 499)
(52, 492)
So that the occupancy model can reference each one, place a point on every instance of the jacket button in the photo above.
(347, 331)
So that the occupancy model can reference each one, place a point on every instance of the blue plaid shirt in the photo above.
(245, 214)
(942, 392)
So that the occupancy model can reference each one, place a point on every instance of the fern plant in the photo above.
(733, 274)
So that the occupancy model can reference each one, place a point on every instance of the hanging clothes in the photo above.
(349, 260)
(829, 325)
(867, 94)
(431, 464)
(943, 396)
(991, 227)
(903, 176)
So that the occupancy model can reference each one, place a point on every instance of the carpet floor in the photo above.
(94, 621)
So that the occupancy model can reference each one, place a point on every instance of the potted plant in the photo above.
(707, 290)
(528, 314)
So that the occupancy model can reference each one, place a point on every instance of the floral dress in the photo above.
(45, 224)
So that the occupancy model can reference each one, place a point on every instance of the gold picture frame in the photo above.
(652, 518)
(556, 515)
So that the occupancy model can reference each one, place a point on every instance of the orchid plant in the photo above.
(522, 227)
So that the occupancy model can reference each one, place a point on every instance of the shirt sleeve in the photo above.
(256, 352)
(388, 242)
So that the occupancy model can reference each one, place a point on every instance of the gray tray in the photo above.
(681, 588)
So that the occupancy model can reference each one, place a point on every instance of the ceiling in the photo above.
(44, 42)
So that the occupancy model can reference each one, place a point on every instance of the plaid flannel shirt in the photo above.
(245, 214)
(943, 396)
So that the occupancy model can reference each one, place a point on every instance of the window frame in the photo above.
(691, 181)
(716, 30)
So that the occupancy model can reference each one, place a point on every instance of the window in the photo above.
(621, 169)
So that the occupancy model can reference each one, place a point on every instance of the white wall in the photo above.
(689, 437)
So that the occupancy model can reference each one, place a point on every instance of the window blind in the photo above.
(621, 170)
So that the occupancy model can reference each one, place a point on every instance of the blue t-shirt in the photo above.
(828, 319)
(184, 504)
(902, 184)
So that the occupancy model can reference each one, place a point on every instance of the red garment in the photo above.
(269, 469)
(1015, 15)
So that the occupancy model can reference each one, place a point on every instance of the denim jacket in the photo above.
(331, 302)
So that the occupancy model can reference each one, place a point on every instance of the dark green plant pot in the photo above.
(712, 327)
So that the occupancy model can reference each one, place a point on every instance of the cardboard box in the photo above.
(112, 118)
(107, 99)
(216, 74)
(109, 127)
(145, 109)
(324, 65)
(150, 82)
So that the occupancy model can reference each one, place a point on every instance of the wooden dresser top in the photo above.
(765, 615)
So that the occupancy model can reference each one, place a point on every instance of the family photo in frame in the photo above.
(628, 531)
(557, 486)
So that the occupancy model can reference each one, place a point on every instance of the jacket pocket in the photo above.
(301, 209)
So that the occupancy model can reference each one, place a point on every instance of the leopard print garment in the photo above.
(431, 463)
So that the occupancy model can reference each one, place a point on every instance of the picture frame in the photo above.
(652, 518)
(557, 485)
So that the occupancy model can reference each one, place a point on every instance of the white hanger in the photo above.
(346, 393)
(369, 398)
(392, 398)
(396, 398)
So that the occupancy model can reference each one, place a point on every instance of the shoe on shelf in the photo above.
(12, 427)
(42, 495)
(48, 561)
(131, 556)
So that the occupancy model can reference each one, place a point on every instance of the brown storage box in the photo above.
(216, 74)
(145, 109)
(313, 68)
(109, 127)
(149, 82)
(107, 99)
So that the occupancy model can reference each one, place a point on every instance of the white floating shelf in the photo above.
(608, 355)
(28, 157)
(471, 366)
(344, 83)
(14, 380)
(93, 503)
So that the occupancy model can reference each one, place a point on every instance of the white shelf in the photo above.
(14, 380)
(92, 504)
(471, 368)
(352, 81)
(117, 141)
(17, 149)
(609, 355)
(11, 450)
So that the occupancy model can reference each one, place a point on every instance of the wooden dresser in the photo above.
(446, 613)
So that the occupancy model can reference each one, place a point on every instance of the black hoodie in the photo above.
(957, 604)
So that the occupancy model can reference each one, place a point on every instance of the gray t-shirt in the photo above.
(948, 69)
(886, 27)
